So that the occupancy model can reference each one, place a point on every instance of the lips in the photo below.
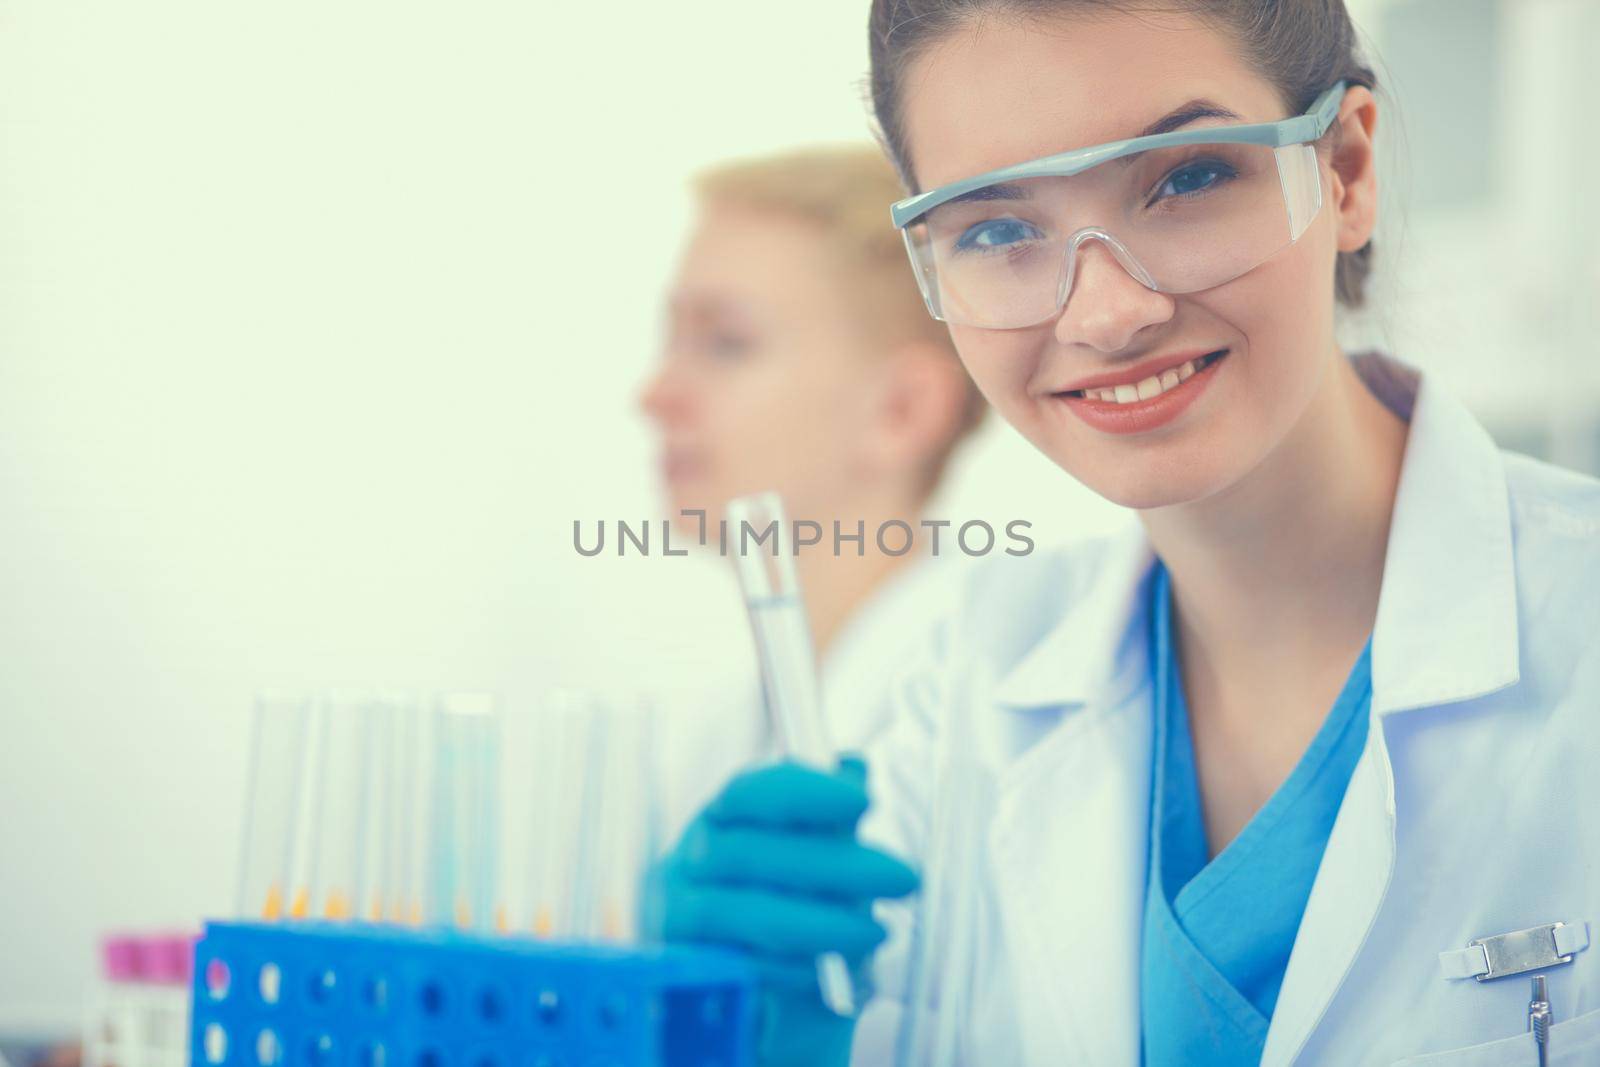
(1131, 391)
(1137, 406)
(1143, 372)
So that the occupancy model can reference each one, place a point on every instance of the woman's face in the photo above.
(764, 382)
(1004, 91)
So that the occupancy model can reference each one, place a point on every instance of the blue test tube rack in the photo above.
(356, 995)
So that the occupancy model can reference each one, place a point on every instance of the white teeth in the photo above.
(1152, 386)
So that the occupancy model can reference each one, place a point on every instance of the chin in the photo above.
(1142, 494)
(1146, 484)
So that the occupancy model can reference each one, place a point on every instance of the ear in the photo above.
(922, 401)
(1355, 170)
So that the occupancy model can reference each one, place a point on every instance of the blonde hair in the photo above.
(845, 192)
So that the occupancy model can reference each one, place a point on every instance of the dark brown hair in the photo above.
(1300, 46)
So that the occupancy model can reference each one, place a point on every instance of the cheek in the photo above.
(1284, 311)
(785, 419)
(1000, 363)
(763, 390)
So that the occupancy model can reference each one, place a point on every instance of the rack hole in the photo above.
(218, 979)
(547, 1007)
(430, 1057)
(491, 1004)
(322, 985)
(373, 1055)
(433, 1000)
(269, 982)
(216, 1043)
(376, 992)
(613, 1009)
(267, 1048)
(319, 1051)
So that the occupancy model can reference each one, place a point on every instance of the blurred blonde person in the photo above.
(799, 357)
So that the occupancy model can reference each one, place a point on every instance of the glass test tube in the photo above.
(272, 805)
(514, 904)
(465, 797)
(623, 834)
(345, 771)
(788, 668)
(566, 793)
(580, 811)
(374, 870)
(409, 828)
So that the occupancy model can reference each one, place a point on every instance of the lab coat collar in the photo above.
(1446, 629)
(1085, 657)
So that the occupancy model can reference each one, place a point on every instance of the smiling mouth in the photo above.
(1151, 387)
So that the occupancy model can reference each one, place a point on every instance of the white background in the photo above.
(320, 323)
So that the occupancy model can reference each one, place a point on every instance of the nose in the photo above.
(1106, 306)
(664, 397)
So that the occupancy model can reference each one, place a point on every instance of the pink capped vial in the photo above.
(120, 958)
(161, 959)
(169, 958)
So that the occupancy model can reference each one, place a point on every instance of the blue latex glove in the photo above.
(772, 865)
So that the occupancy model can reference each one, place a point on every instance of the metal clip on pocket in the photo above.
(1518, 952)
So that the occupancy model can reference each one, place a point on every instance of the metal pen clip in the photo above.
(1539, 1019)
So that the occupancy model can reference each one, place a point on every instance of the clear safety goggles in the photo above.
(1180, 211)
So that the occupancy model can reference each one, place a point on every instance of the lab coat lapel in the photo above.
(1446, 631)
(1350, 885)
(1070, 830)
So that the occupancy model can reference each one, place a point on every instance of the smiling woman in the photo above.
(1249, 755)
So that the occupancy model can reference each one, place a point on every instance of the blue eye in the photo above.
(1194, 178)
(996, 235)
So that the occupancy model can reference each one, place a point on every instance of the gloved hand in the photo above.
(772, 865)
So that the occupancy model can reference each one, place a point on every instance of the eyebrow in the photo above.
(1003, 191)
(1195, 110)
(1182, 115)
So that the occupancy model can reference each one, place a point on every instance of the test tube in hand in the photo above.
(788, 667)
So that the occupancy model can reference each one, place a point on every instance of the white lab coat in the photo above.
(711, 735)
(1474, 809)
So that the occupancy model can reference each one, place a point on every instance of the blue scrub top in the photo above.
(1218, 931)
